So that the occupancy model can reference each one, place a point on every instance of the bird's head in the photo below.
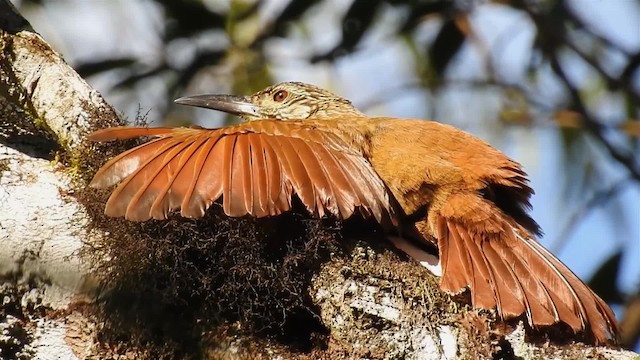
(283, 101)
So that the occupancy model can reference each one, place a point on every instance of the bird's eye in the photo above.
(280, 95)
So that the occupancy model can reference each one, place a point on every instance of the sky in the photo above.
(375, 78)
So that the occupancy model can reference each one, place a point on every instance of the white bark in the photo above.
(42, 229)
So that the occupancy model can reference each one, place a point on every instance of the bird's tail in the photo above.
(505, 268)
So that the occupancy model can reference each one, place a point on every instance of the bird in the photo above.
(425, 180)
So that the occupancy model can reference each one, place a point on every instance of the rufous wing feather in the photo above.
(126, 132)
(255, 168)
(205, 180)
(505, 268)
(176, 188)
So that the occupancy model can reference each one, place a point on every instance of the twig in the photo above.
(612, 82)
(594, 127)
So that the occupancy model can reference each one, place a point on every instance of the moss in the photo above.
(86, 158)
(170, 281)
(4, 166)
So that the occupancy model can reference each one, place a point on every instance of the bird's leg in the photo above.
(423, 257)
(410, 241)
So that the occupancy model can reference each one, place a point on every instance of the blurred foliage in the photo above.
(561, 36)
(601, 280)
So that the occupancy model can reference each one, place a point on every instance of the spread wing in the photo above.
(506, 268)
(255, 168)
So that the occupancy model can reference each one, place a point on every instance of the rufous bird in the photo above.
(433, 182)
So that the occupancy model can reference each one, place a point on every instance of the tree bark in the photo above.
(374, 302)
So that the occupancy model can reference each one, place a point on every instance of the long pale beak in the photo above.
(236, 105)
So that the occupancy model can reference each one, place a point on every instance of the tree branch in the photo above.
(372, 302)
(594, 127)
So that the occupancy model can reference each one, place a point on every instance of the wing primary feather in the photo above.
(126, 163)
(456, 264)
(260, 176)
(140, 204)
(280, 189)
(241, 195)
(327, 197)
(510, 296)
(318, 180)
(296, 173)
(206, 185)
(116, 204)
(169, 197)
(228, 143)
(541, 252)
(360, 185)
(127, 132)
(482, 286)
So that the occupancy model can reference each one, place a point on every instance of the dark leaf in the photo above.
(629, 70)
(90, 68)
(354, 24)
(187, 18)
(630, 323)
(421, 10)
(201, 61)
(603, 281)
(293, 12)
(446, 45)
(357, 21)
(131, 80)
